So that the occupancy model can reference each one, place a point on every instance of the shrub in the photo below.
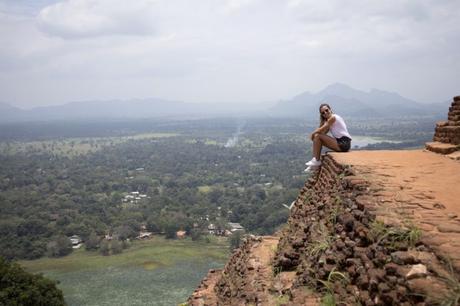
(18, 287)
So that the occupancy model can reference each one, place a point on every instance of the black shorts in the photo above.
(344, 143)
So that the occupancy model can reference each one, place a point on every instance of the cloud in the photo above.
(89, 18)
(213, 50)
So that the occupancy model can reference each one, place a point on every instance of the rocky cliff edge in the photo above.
(369, 228)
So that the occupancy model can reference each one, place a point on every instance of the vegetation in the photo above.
(47, 196)
(334, 276)
(452, 297)
(59, 180)
(410, 235)
(282, 300)
(157, 269)
(18, 287)
(235, 240)
(62, 179)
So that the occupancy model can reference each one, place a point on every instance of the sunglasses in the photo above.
(325, 111)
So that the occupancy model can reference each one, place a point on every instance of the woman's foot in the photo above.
(311, 169)
(313, 163)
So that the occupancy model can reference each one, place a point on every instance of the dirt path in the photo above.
(271, 289)
(414, 186)
(260, 275)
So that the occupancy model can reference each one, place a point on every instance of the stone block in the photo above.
(417, 271)
(442, 148)
(455, 155)
(449, 129)
(454, 122)
(442, 123)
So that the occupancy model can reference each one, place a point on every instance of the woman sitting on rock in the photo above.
(329, 122)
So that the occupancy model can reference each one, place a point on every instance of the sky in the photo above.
(223, 51)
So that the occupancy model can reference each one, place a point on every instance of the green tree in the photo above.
(235, 240)
(60, 246)
(124, 232)
(105, 247)
(92, 243)
(18, 287)
(125, 244)
(152, 224)
(116, 246)
(195, 233)
(171, 229)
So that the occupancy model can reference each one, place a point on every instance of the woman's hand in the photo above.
(312, 135)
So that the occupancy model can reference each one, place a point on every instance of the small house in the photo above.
(212, 229)
(181, 234)
(76, 241)
(144, 235)
(235, 227)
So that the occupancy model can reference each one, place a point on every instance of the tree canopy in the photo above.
(18, 287)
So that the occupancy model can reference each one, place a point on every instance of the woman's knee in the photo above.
(322, 137)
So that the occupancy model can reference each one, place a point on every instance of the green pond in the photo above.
(133, 286)
(155, 272)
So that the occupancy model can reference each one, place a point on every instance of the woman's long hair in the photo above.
(321, 118)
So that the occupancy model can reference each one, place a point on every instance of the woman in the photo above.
(329, 122)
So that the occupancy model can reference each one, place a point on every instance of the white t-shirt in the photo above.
(339, 128)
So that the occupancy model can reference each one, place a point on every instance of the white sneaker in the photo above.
(313, 162)
(311, 169)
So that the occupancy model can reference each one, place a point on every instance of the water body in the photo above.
(133, 286)
(362, 141)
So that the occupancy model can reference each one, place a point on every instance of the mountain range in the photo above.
(343, 99)
(356, 103)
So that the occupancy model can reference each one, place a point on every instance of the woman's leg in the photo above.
(322, 139)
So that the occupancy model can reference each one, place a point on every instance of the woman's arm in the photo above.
(324, 128)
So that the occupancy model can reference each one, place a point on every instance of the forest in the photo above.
(59, 180)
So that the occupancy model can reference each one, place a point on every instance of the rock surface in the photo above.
(446, 138)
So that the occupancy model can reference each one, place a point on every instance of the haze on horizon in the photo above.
(52, 52)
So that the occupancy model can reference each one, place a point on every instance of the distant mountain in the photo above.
(142, 108)
(352, 102)
(342, 98)
(7, 110)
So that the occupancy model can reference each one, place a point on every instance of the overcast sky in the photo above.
(52, 52)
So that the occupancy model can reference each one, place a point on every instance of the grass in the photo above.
(335, 211)
(329, 299)
(160, 270)
(149, 254)
(452, 298)
(318, 246)
(282, 300)
(321, 244)
(410, 235)
(277, 270)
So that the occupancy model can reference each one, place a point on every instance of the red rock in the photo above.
(417, 271)
(401, 257)
(442, 148)
(391, 268)
(449, 228)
